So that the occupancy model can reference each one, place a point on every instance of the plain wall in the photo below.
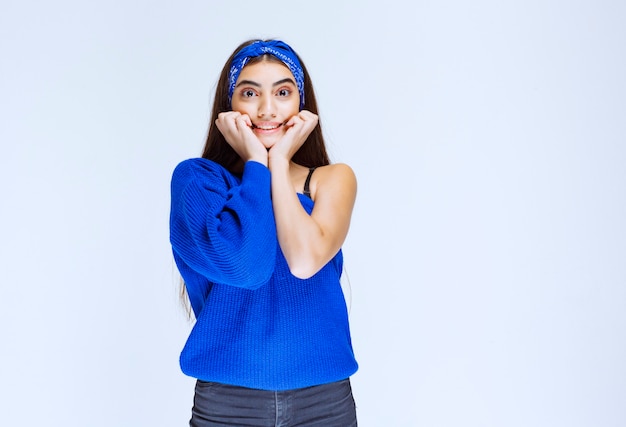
(488, 245)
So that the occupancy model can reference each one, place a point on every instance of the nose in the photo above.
(266, 107)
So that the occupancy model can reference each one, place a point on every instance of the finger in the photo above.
(247, 120)
(293, 121)
(242, 125)
(308, 116)
(227, 116)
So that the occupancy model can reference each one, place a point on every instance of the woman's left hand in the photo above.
(299, 127)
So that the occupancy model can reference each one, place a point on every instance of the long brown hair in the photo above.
(311, 154)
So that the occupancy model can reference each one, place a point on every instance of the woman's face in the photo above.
(267, 92)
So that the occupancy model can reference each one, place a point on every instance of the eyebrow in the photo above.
(278, 83)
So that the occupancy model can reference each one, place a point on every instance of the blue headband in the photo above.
(280, 50)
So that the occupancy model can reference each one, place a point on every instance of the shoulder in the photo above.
(200, 173)
(197, 165)
(334, 177)
(335, 172)
(197, 168)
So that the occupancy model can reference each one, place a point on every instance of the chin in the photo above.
(269, 142)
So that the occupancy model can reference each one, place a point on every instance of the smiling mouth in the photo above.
(267, 127)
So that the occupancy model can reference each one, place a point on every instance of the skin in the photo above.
(266, 126)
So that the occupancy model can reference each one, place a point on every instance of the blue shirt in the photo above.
(257, 325)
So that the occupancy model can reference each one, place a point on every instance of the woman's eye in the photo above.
(248, 93)
(284, 92)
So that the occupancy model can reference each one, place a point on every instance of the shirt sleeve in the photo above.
(221, 228)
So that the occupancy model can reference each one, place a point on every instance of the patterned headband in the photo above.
(277, 48)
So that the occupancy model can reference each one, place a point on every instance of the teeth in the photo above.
(266, 127)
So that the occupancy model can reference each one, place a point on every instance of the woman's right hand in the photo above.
(237, 130)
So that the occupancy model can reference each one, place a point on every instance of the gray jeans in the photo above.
(326, 405)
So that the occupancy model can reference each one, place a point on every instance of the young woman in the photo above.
(256, 227)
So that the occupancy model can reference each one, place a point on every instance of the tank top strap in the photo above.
(307, 191)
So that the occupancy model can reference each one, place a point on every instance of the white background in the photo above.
(488, 246)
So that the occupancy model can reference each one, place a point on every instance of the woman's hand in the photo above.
(237, 131)
(299, 127)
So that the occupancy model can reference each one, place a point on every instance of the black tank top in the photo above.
(307, 191)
